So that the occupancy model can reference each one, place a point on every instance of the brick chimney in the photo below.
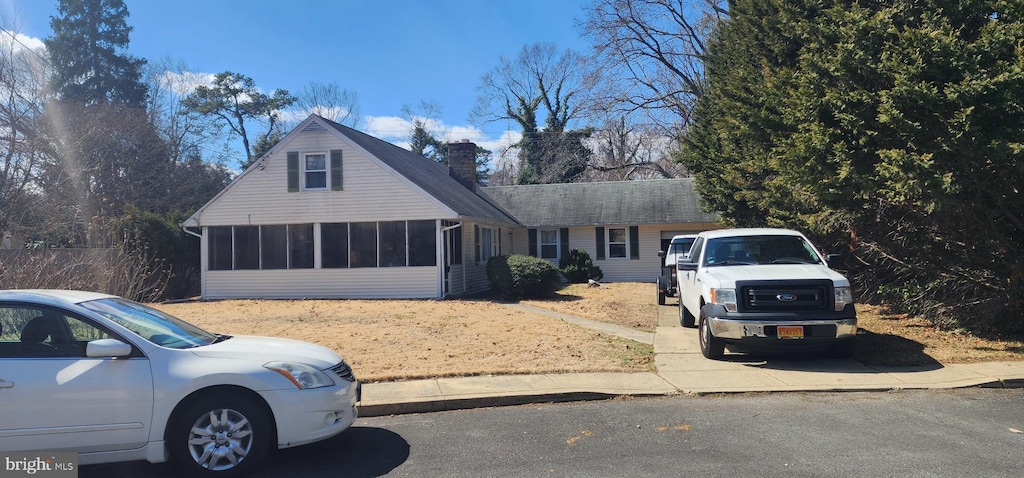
(462, 163)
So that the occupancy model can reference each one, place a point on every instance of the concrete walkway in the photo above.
(680, 369)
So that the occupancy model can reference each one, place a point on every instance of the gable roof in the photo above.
(432, 177)
(656, 201)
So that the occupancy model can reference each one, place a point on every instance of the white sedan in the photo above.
(115, 380)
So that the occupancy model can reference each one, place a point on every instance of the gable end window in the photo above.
(315, 171)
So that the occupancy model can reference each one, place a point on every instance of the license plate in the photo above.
(790, 332)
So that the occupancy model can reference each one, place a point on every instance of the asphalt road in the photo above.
(940, 433)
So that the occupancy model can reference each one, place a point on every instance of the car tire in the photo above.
(661, 293)
(710, 346)
(843, 349)
(237, 434)
(686, 319)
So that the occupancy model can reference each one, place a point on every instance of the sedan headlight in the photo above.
(726, 297)
(301, 375)
(844, 295)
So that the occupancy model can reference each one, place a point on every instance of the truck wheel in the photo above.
(710, 347)
(661, 293)
(686, 319)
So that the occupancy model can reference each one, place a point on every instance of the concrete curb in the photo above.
(681, 369)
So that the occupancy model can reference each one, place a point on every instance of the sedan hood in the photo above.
(730, 274)
(270, 349)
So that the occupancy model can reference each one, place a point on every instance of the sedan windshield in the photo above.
(745, 250)
(151, 324)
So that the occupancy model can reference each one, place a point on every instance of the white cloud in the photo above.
(388, 128)
(395, 130)
(19, 42)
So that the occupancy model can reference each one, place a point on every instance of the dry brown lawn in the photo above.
(408, 339)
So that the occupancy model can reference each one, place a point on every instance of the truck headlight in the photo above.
(844, 295)
(301, 375)
(726, 297)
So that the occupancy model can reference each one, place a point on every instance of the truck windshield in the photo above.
(745, 250)
(680, 246)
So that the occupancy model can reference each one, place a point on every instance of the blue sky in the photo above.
(390, 52)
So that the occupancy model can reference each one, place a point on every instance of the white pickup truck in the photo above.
(765, 288)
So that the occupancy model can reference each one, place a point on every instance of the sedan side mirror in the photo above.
(107, 348)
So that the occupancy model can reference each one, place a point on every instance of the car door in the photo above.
(54, 398)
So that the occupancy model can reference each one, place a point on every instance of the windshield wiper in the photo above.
(220, 338)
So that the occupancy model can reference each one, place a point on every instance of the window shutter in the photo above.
(293, 171)
(336, 170)
(563, 242)
(599, 233)
(476, 243)
(533, 242)
(634, 242)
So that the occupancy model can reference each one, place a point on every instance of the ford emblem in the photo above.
(786, 297)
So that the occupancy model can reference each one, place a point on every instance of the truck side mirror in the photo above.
(686, 265)
(661, 253)
(835, 261)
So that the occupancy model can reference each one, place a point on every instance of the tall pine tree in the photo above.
(87, 51)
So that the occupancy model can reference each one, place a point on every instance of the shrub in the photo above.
(577, 267)
(517, 276)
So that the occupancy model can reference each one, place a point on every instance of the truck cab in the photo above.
(765, 289)
(678, 247)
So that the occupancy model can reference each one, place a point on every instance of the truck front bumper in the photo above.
(725, 328)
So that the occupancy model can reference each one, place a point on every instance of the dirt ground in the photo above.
(388, 340)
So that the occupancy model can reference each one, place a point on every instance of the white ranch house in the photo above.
(331, 212)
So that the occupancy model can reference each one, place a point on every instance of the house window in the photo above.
(247, 247)
(392, 244)
(274, 247)
(363, 241)
(423, 243)
(486, 243)
(617, 242)
(549, 244)
(300, 246)
(334, 245)
(315, 171)
(219, 247)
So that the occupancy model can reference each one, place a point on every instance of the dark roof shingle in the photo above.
(657, 201)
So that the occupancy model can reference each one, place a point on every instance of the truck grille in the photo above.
(768, 296)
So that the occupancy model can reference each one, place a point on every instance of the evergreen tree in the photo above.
(234, 99)
(893, 129)
(87, 54)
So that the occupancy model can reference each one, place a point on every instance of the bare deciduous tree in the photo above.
(330, 101)
(22, 94)
(626, 151)
(650, 54)
(540, 86)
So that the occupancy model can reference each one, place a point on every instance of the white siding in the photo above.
(645, 269)
(371, 193)
(357, 283)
